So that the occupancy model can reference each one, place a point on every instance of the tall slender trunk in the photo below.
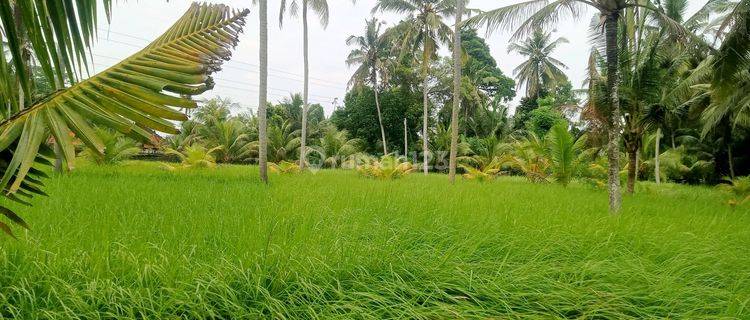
(24, 84)
(377, 106)
(406, 140)
(263, 88)
(731, 161)
(425, 115)
(657, 170)
(632, 160)
(303, 138)
(456, 90)
(613, 83)
(637, 164)
(673, 144)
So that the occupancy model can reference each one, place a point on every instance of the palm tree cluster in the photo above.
(235, 139)
(665, 89)
(653, 71)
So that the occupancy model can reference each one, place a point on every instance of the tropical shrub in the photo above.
(117, 148)
(543, 119)
(387, 168)
(679, 165)
(230, 136)
(334, 147)
(565, 153)
(483, 171)
(284, 167)
(194, 156)
(528, 155)
(738, 189)
(440, 144)
(283, 140)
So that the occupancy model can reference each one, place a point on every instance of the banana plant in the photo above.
(137, 95)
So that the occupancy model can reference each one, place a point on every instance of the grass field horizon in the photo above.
(136, 241)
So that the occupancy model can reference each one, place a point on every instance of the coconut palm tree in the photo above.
(194, 156)
(456, 90)
(117, 147)
(335, 147)
(728, 72)
(139, 94)
(371, 56)
(424, 27)
(540, 70)
(564, 153)
(319, 7)
(525, 17)
(231, 137)
(283, 140)
(652, 61)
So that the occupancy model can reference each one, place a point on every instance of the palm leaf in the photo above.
(135, 95)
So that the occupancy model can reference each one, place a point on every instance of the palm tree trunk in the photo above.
(456, 91)
(637, 164)
(657, 170)
(613, 83)
(673, 144)
(263, 88)
(425, 115)
(377, 106)
(632, 160)
(731, 161)
(303, 138)
(406, 140)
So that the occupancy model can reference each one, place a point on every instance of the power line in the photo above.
(277, 95)
(271, 88)
(233, 60)
(228, 80)
(236, 68)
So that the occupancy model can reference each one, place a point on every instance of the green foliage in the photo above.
(283, 140)
(284, 167)
(117, 148)
(334, 147)
(389, 167)
(678, 164)
(482, 170)
(482, 68)
(194, 156)
(540, 71)
(738, 189)
(543, 118)
(291, 109)
(359, 119)
(528, 155)
(564, 151)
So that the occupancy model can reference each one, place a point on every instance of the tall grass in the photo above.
(138, 242)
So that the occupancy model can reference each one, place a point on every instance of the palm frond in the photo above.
(132, 97)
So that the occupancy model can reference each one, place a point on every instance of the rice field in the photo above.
(136, 241)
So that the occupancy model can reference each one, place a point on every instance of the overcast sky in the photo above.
(135, 23)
